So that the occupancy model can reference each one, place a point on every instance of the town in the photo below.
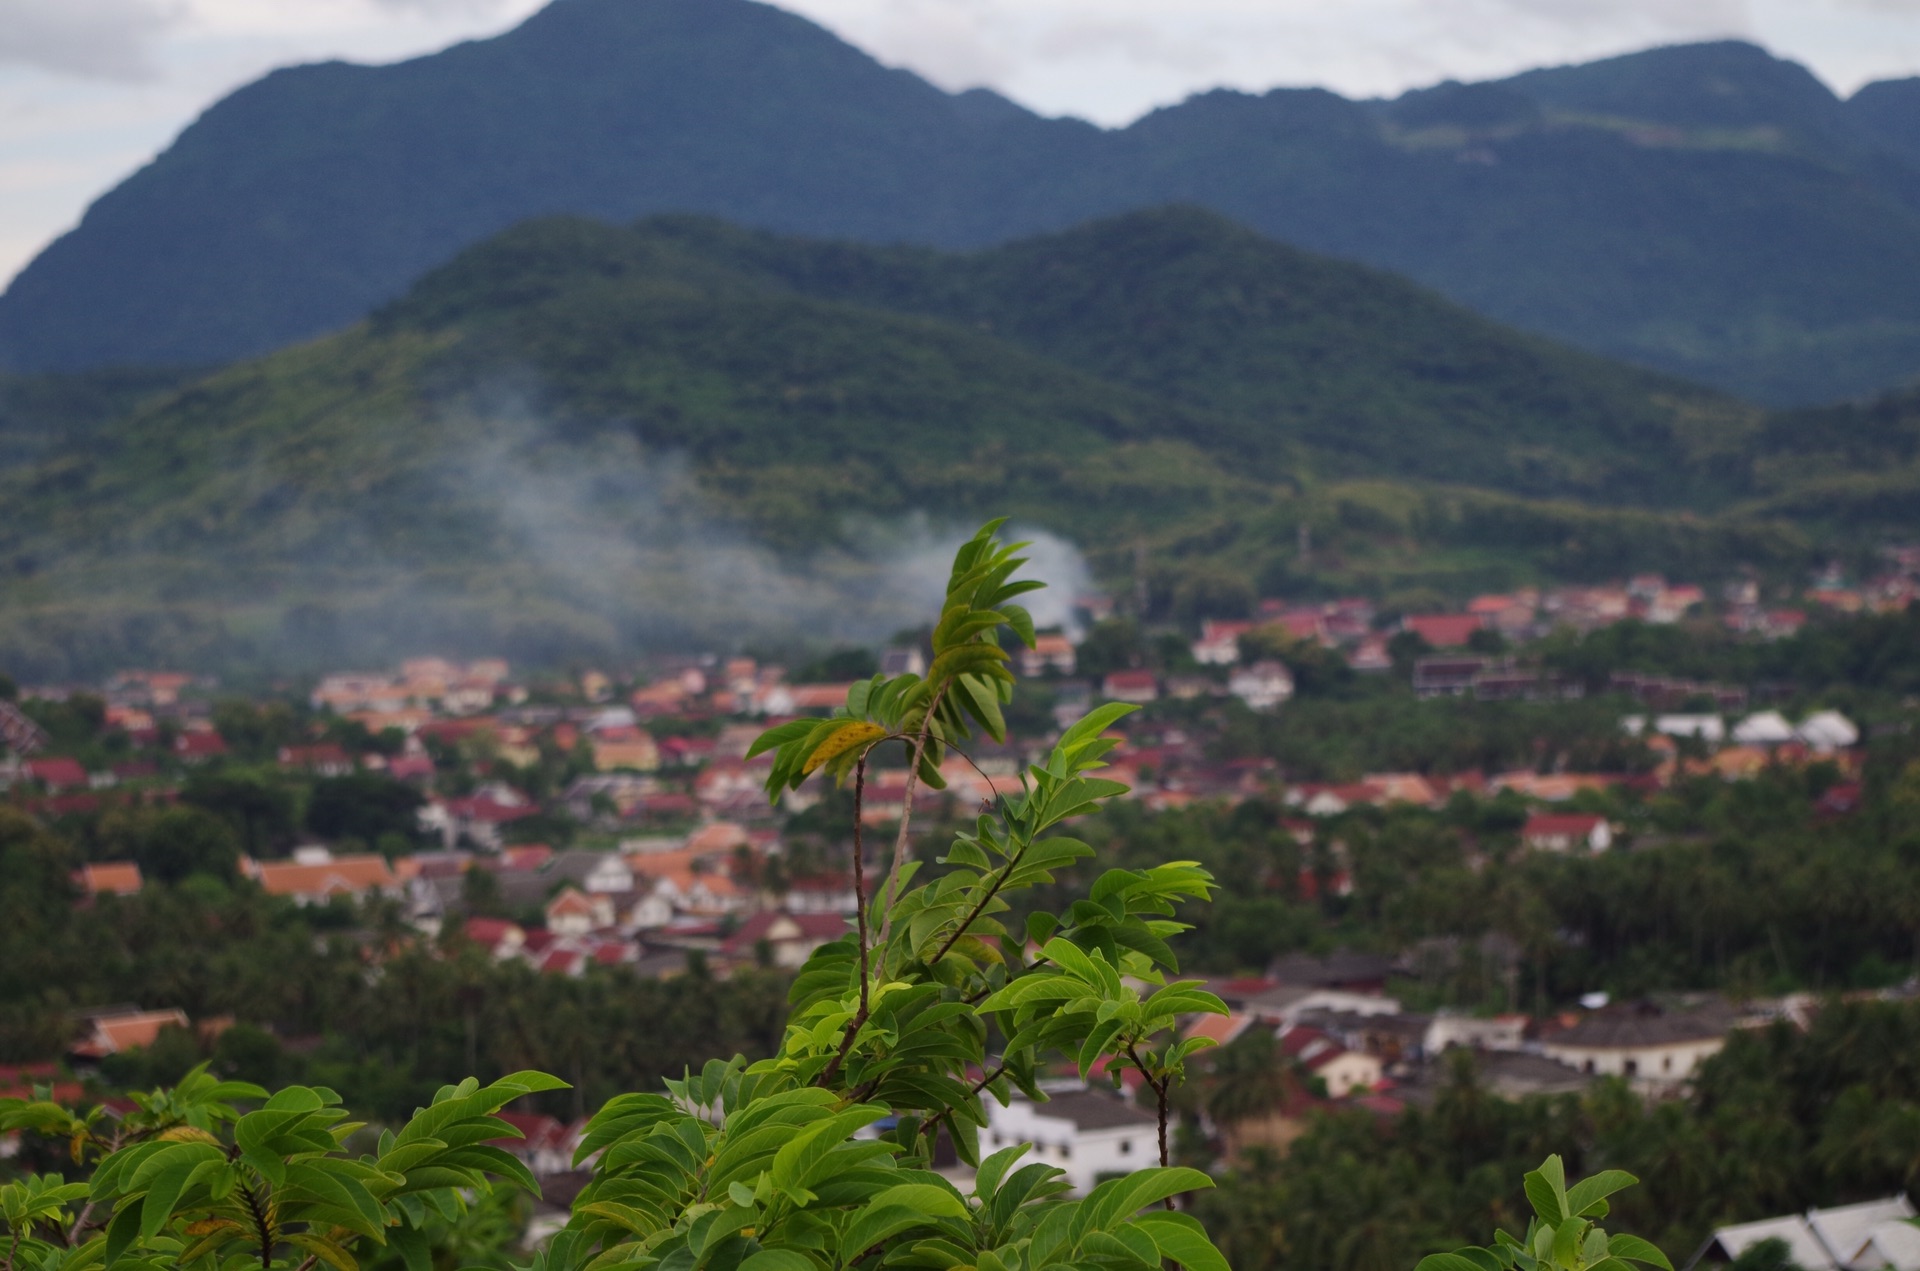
(603, 822)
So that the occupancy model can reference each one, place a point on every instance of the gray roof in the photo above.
(1634, 1029)
(1345, 966)
(1092, 1110)
(1845, 1228)
(1830, 1239)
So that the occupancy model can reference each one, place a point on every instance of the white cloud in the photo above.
(104, 39)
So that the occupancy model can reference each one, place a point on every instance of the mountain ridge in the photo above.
(576, 436)
(1707, 210)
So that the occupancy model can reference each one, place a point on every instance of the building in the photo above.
(1219, 642)
(116, 878)
(327, 759)
(1343, 1071)
(1446, 676)
(1131, 686)
(57, 774)
(1566, 832)
(1052, 652)
(789, 938)
(1262, 686)
(1863, 1237)
(1828, 731)
(113, 1032)
(1653, 1049)
(1090, 1135)
(1444, 630)
(315, 876)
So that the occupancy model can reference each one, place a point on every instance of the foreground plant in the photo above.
(815, 1159)
(1564, 1233)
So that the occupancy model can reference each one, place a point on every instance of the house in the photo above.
(1708, 728)
(573, 912)
(625, 747)
(1862, 1237)
(1444, 630)
(1131, 686)
(1566, 832)
(315, 876)
(199, 747)
(1344, 1071)
(119, 1031)
(1348, 969)
(544, 1144)
(1828, 731)
(790, 938)
(1219, 642)
(1051, 652)
(497, 936)
(1763, 728)
(324, 760)
(57, 774)
(117, 878)
(1652, 1048)
(1446, 676)
(1088, 1134)
(592, 872)
(1370, 655)
(480, 818)
(1262, 686)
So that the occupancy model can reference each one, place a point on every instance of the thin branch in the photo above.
(906, 817)
(1000, 880)
(860, 874)
(859, 1019)
(1160, 1097)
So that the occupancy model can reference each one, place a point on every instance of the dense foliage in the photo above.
(1779, 1121)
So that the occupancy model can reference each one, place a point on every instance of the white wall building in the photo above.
(1654, 1052)
(1090, 1134)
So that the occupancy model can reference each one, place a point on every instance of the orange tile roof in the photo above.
(122, 878)
(117, 1033)
(341, 875)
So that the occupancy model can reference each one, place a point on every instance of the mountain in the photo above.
(1706, 210)
(575, 436)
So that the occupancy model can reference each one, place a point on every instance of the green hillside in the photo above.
(1706, 209)
(578, 436)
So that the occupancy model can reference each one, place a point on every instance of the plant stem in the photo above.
(859, 1019)
(906, 818)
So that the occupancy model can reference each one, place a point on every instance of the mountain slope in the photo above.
(1707, 210)
(576, 436)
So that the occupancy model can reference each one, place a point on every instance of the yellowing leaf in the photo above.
(842, 740)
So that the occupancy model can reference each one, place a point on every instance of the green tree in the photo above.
(364, 806)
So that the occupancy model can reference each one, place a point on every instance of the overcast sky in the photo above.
(90, 89)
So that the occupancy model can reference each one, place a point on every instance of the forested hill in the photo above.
(1706, 209)
(576, 436)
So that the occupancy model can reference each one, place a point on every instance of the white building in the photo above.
(1262, 686)
(1090, 1134)
(1763, 728)
(1827, 731)
(1653, 1051)
(1708, 728)
(1865, 1237)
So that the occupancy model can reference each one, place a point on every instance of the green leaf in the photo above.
(778, 1260)
(1547, 1200)
(1182, 1238)
(1596, 1187)
(1456, 1261)
(1634, 1249)
(874, 1225)
(926, 1198)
